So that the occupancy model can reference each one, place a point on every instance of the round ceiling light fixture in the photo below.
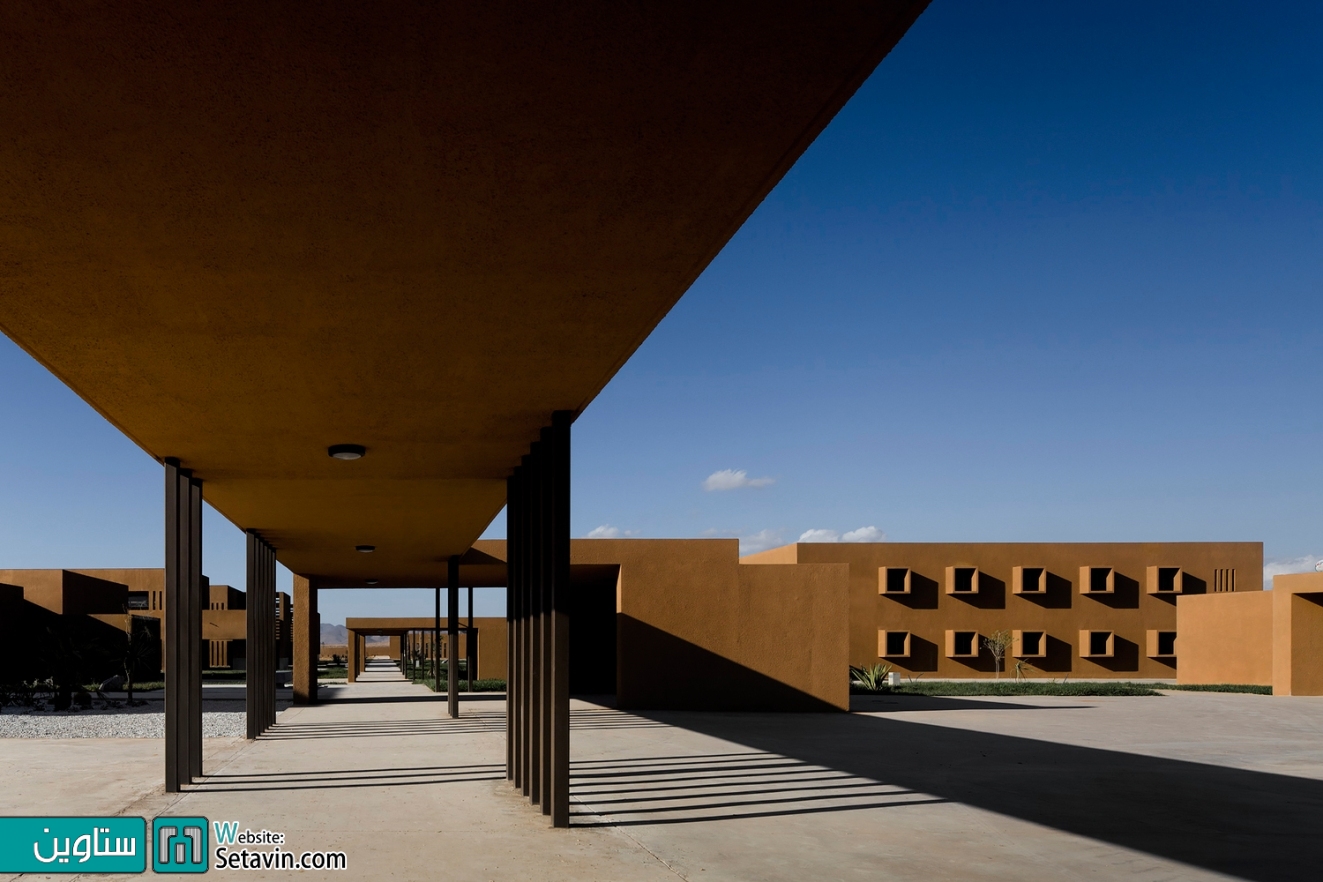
(370, 581)
(366, 549)
(346, 451)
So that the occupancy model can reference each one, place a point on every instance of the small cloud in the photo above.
(730, 479)
(863, 534)
(760, 541)
(606, 531)
(1308, 564)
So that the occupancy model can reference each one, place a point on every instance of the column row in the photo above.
(184, 602)
(538, 560)
(260, 671)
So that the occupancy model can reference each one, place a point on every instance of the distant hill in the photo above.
(338, 635)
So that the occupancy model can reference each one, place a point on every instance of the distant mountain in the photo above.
(334, 635)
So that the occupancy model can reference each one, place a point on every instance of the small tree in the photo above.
(997, 643)
(138, 648)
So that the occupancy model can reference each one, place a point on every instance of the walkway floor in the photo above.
(1185, 786)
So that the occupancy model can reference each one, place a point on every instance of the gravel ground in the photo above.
(147, 721)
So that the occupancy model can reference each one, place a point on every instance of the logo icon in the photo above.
(179, 845)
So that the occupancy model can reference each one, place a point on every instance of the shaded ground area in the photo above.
(1180, 786)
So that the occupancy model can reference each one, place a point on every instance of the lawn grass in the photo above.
(1224, 687)
(1015, 687)
(486, 685)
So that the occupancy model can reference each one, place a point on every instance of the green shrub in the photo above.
(1224, 687)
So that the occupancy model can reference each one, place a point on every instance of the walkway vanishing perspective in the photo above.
(1185, 786)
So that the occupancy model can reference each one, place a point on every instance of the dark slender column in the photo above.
(511, 630)
(452, 635)
(436, 643)
(546, 562)
(200, 589)
(183, 626)
(559, 619)
(254, 633)
(470, 646)
(535, 621)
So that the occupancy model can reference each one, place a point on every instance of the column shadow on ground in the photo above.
(337, 779)
(1253, 825)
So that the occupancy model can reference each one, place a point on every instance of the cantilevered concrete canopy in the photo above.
(247, 231)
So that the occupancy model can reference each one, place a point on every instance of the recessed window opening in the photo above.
(1098, 577)
(898, 580)
(1031, 642)
(965, 643)
(1031, 580)
(1166, 643)
(964, 580)
(1098, 642)
(138, 600)
(896, 642)
(1167, 579)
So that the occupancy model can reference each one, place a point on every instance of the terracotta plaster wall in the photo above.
(1225, 638)
(1298, 634)
(929, 612)
(69, 592)
(697, 629)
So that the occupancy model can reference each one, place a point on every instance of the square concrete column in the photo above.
(307, 640)
(260, 667)
(452, 636)
(183, 603)
(351, 660)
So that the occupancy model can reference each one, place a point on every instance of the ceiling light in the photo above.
(346, 451)
(371, 581)
(366, 549)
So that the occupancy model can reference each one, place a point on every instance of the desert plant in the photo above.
(1021, 668)
(997, 643)
(138, 648)
(872, 679)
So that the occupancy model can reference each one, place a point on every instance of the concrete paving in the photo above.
(1184, 786)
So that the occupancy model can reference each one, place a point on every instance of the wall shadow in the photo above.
(1125, 656)
(991, 593)
(1252, 825)
(680, 675)
(1126, 595)
(923, 593)
(1059, 658)
(1056, 595)
(923, 656)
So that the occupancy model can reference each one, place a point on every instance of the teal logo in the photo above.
(73, 845)
(179, 845)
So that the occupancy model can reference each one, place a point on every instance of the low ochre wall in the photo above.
(1225, 638)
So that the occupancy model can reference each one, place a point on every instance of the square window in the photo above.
(962, 644)
(1097, 580)
(1162, 644)
(1029, 580)
(894, 580)
(894, 644)
(962, 580)
(1097, 644)
(1029, 644)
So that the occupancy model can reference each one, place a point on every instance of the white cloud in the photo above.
(606, 531)
(730, 479)
(760, 541)
(1307, 564)
(863, 534)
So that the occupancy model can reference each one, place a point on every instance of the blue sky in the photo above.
(1055, 273)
